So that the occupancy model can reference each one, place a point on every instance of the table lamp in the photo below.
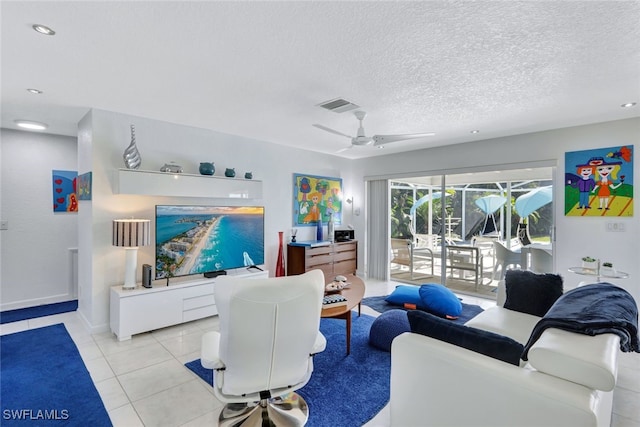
(130, 234)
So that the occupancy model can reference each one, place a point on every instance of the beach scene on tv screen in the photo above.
(200, 239)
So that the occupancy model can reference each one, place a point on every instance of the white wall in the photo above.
(575, 236)
(25, 179)
(102, 138)
(35, 250)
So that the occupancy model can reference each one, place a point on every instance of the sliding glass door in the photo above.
(451, 229)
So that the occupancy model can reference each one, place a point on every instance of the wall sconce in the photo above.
(130, 234)
(350, 201)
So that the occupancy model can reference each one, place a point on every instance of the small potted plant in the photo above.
(607, 269)
(590, 264)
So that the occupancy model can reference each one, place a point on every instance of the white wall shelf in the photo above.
(151, 183)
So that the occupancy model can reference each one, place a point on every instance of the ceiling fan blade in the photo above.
(385, 139)
(331, 130)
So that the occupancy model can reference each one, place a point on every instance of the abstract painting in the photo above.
(64, 191)
(316, 196)
(84, 186)
(599, 182)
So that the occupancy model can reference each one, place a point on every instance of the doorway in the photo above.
(450, 229)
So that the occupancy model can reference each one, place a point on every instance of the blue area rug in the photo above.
(379, 304)
(44, 382)
(344, 390)
(37, 311)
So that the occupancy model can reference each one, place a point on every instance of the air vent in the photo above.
(338, 105)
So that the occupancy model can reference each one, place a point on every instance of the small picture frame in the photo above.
(84, 186)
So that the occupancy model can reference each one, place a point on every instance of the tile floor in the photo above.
(143, 382)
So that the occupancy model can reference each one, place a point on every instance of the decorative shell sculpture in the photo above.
(131, 155)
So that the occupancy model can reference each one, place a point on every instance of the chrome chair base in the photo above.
(288, 410)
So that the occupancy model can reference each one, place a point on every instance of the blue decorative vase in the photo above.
(207, 168)
(248, 175)
(319, 228)
(230, 173)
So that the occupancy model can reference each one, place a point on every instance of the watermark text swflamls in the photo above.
(35, 414)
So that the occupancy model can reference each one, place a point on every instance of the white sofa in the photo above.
(567, 381)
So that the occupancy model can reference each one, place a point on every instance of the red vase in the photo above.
(280, 262)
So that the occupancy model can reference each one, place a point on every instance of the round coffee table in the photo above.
(353, 294)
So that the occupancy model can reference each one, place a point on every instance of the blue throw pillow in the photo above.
(478, 340)
(405, 294)
(439, 300)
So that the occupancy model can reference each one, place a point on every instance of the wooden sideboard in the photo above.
(333, 259)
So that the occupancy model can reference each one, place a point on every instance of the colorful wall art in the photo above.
(64, 191)
(84, 186)
(315, 196)
(599, 182)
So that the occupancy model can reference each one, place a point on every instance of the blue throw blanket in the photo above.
(601, 308)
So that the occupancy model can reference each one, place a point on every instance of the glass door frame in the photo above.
(505, 219)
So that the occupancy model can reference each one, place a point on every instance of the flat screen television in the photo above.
(204, 239)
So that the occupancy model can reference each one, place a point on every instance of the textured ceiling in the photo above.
(259, 69)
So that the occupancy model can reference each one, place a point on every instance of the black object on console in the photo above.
(146, 275)
(212, 274)
(343, 235)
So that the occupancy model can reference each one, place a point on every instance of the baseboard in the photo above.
(91, 328)
(36, 302)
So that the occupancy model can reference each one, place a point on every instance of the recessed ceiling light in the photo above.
(628, 105)
(43, 29)
(35, 91)
(31, 125)
(475, 131)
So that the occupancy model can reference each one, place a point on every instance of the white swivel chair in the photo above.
(541, 261)
(269, 332)
(504, 258)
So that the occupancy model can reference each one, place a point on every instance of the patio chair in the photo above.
(431, 241)
(541, 261)
(504, 257)
(403, 252)
(400, 252)
(465, 259)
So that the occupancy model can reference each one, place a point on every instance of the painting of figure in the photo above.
(316, 197)
(599, 182)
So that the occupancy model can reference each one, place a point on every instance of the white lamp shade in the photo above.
(131, 233)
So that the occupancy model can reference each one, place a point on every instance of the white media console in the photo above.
(146, 309)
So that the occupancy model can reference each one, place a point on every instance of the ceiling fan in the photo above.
(361, 140)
